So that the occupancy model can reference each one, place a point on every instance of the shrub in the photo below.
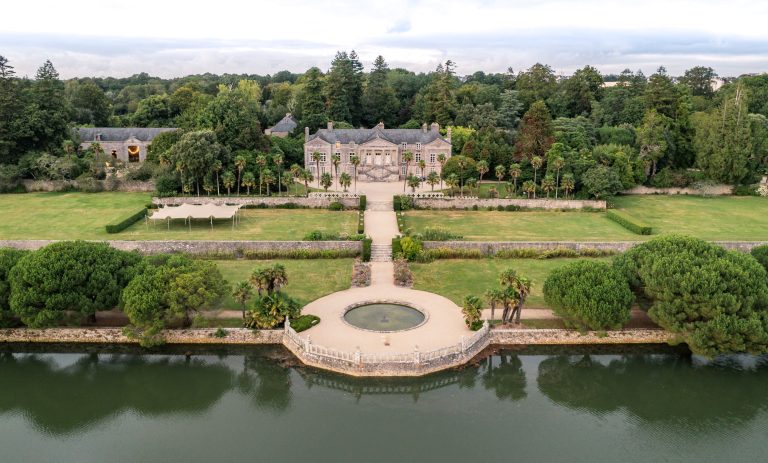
(127, 222)
(403, 275)
(10, 178)
(411, 248)
(511, 208)
(471, 309)
(88, 184)
(363, 203)
(304, 322)
(745, 190)
(629, 222)
(714, 299)
(760, 253)
(438, 234)
(428, 255)
(264, 254)
(361, 223)
(269, 310)
(167, 185)
(8, 259)
(589, 295)
(361, 274)
(397, 250)
(367, 242)
(142, 173)
(69, 281)
(558, 252)
(336, 206)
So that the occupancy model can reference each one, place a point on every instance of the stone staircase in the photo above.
(382, 173)
(381, 206)
(381, 253)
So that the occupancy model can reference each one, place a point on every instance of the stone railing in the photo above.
(358, 363)
(312, 201)
(426, 194)
(333, 194)
(467, 203)
(491, 248)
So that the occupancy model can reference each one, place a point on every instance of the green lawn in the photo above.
(455, 278)
(65, 216)
(307, 279)
(521, 226)
(712, 218)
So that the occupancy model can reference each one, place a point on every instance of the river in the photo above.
(561, 405)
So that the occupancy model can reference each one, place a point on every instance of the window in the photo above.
(432, 158)
(114, 154)
(404, 146)
(338, 155)
(403, 169)
(351, 155)
(323, 157)
(418, 146)
(432, 170)
(133, 153)
(417, 156)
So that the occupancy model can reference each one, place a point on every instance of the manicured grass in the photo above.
(307, 279)
(456, 278)
(64, 216)
(712, 218)
(520, 226)
(69, 216)
(255, 225)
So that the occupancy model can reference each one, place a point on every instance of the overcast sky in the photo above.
(121, 38)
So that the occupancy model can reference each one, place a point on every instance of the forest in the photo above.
(605, 133)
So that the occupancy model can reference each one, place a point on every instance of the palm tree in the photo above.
(240, 163)
(442, 159)
(295, 173)
(208, 185)
(494, 296)
(407, 158)
(345, 181)
(228, 179)
(521, 286)
(269, 178)
(433, 179)
(306, 176)
(326, 180)
(536, 163)
(261, 163)
(462, 163)
(242, 293)
(482, 169)
(248, 181)
(471, 310)
(558, 164)
(316, 156)
(529, 188)
(269, 279)
(413, 182)
(568, 184)
(422, 166)
(217, 166)
(500, 171)
(336, 160)
(547, 184)
(355, 161)
(278, 159)
(452, 181)
(515, 171)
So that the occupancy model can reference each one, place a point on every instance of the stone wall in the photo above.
(232, 248)
(490, 248)
(62, 185)
(465, 203)
(716, 190)
(313, 202)
(502, 337)
(116, 336)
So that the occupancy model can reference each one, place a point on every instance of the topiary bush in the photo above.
(336, 206)
(589, 294)
(367, 243)
(715, 300)
(629, 222)
(411, 248)
(126, 222)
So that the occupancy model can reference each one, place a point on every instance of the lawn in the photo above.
(521, 226)
(307, 279)
(455, 278)
(712, 218)
(63, 216)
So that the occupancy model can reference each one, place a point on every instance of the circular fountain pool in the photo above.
(384, 317)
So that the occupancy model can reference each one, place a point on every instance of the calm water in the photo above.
(124, 407)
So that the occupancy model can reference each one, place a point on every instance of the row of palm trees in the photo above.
(510, 295)
(548, 184)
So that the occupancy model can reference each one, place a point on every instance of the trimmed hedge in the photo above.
(367, 242)
(127, 222)
(629, 222)
(361, 222)
(259, 254)
(396, 248)
(363, 202)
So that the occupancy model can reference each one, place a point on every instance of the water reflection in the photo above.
(660, 388)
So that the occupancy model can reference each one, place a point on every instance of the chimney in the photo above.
(306, 134)
(435, 126)
(448, 135)
(330, 125)
(380, 125)
(424, 127)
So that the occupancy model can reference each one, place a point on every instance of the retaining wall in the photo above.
(716, 190)
(490, 248)
(205, 247)
(502, 336)
(116, 336)
(61, 185)
(271, 201)
(464, 203)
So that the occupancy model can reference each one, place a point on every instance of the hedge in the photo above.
(367, 249)
(361, 222)
(629, 222)
(396, 248)
(363, 202)
(127, 222)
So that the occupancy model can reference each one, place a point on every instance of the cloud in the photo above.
(403, 25)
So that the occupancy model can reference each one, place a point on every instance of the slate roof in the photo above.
(360, 136)
(120, 133)
(287, 124)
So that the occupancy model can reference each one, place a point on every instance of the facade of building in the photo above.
(379, 150)
(125, 144)
(284, 127)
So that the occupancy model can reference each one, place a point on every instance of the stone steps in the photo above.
(383, 206)
(381, 253)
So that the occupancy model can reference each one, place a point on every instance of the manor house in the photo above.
(379, 150)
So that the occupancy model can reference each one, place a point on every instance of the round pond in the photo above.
(384, 317)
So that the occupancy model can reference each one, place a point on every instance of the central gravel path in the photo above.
(445, 324)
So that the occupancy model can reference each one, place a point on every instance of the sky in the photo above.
(170, 39)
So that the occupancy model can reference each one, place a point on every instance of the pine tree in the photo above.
(50, 124)
(536, 135)
(313, 107)
(379, 100)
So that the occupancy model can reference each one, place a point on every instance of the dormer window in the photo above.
(418, 146)
(404, 146)
(338, 144)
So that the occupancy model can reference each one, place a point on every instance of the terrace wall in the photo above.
(490, 248)
(271, 201)
(466, 203)
(64, 185)
(716, 190)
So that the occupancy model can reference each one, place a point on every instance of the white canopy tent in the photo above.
(195, 211)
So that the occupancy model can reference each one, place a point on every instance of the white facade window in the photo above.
(404, 145)
(432, 158)
(403, 169)
(323, 157)
(432, 169)
(417, 156)
(418, 146)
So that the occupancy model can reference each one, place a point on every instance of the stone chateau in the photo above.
(380, 150)
(125, 144)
